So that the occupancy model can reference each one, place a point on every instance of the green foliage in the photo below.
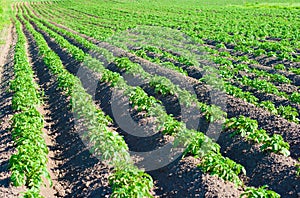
(261, 85)
(295, 97)
(160, 55)
(279, 67)
(141, 100)
(276, 144)
(130, 67)
(197, 143)
(239, 93)
(295, 70)
(298, 168)
(213, 80)
(216, 164)
(4, 14)
(262, 191)
(171, 126)
(29, 164)
(162, 85)
(131, 182)
(248, 128)
(212, 113)
(111, 77)
(269, 106)
(212, 162)
(289, 113)
(242, 125)
(107, 144)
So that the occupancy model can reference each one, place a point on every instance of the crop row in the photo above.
(215, 55)
(110, 146)
(266, 86)
(29, 164)
(248, 59)
(244, 126)
(228, 72)
(170, 125)
(222, 58)
(138, 97)
(288, 112)
(167, 87)
(95, 31)
(257, 135)
(111, 76)
(240, 38)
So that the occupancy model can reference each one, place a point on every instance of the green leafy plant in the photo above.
(289, 113)
(111, 77)
(242, 125)
(262, 191)
(228, 170)
(212, 113)
(105, 143)
(298, 168)
(131, 182)
(295, 97)
(276, 144)
(28, 164)
(155, 110)
(140, 99)
(279, 67)
(249, 129)
(162, 85)
(269, 106)
(295, 70)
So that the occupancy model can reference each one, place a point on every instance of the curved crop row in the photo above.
(228, 34)
(126, 179)
(228, 72)
(212, 160)
(29, 164)
(118, 82)
(259, 136)
(165, 86)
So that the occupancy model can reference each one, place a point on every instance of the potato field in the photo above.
(142, 98)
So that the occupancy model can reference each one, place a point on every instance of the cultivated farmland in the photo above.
(126, 98)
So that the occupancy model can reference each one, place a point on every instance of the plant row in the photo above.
(196, 142)
(228, 72)
(135, 94)
(247, 127)
(29, 164)
(165, 86)
(256, 135)
(107, 144)
(239, 37)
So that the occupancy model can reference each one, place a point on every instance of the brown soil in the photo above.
(268, 168)
(196, 72)
(46, 191)
(265, 63)
(263, 59)
(6, 143)
(185, 179)
(6, 36)
(236, 107)
(76, 172)
(212, 186)
(269, 179)
(276, 100)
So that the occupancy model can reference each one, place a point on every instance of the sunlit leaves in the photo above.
(29, 163)
(248, 128)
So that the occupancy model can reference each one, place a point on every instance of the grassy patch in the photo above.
(4, 13)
